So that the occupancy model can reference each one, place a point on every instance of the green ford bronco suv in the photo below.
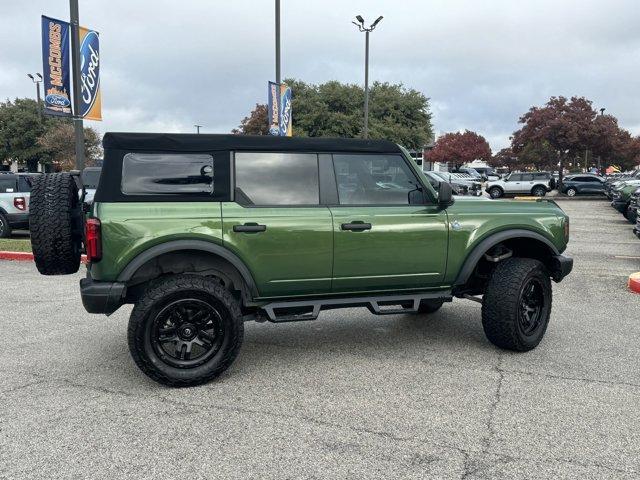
(204, 232)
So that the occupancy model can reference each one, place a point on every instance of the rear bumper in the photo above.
(102, 297)
(561, 266)
(18, 220)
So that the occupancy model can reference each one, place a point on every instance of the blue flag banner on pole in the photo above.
(279, 109)
(56, 71)
(274, 108)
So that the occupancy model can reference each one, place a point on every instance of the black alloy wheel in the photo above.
(531, 306)
(187, 332)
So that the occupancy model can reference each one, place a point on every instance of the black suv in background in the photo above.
(583, 183)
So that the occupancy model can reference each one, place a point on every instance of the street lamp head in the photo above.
(360, 19)
(30, 76)
(39, 76)
(373, 25)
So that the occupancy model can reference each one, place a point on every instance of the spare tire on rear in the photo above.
(55, 221)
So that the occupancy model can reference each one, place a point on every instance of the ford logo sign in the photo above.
(57, 100)
(89, 71)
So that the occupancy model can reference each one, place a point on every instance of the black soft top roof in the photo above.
(191, 142)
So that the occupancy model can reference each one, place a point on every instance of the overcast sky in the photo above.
(167, 65)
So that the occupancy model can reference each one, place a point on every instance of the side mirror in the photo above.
(445, 195)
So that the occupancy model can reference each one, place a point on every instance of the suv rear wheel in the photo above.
(185, 330)
(517, 304)
(495, 192)
(539, 191)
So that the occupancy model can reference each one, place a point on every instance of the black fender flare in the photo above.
(198, 245)
(493, 239)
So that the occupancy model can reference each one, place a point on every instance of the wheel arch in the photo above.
(181, 256)
(523, 241)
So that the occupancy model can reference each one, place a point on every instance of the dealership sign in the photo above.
(55, 63)
(279, 109)
(57, 71)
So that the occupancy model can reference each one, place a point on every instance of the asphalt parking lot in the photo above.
(350, 395)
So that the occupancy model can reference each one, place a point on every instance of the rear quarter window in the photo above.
(167, 174)
(8, 184)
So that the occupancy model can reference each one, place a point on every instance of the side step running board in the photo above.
(383, 305)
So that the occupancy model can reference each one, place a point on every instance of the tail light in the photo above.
(93, 240)
(20, 203)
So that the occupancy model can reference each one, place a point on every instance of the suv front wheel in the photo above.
(185, 330)
(517, 304)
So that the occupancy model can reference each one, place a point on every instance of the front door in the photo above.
(382, 241)
(277, 226)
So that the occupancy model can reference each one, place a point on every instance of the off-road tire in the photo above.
(502, 302)
(495, 192)
(55, 222)
(5, 228)
(571, 192)
(159, 295)
(538, 191)
(430, 306)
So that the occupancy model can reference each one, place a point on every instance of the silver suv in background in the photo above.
(15, 190)
(517, 183)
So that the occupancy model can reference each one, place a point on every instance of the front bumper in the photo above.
(18, 220)
(561, 266)
(102, 297)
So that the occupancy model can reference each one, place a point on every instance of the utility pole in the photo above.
(37, 82)
(197, 128)
(367, 30)
(75, 69)
(278, 77)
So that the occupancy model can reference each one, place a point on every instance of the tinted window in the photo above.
(589, 179)
(515, 177)
(7, 184)
(167, 173)
(539, 176)
(277, 178)
(24, 183)
(373, 179)
(527, 177)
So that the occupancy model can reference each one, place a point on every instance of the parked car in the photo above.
(15, 191)
(622, 195)
(632, 209)
(487, 173)
(286, 228)
(534, 183)
(461, 183)
(584, 183)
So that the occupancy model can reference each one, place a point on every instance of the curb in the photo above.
(634, 282)
(26, 256)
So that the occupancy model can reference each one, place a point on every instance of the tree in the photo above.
(334, 109)
(564, 126)
(257, 123)
(59, 143)
(459, 148)
(20, 127)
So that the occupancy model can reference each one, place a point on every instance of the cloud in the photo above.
(168, 65)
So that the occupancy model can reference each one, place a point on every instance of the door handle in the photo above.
(249, 228)
(356, 226)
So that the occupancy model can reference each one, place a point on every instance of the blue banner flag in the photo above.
(279, 109)
(56, 70)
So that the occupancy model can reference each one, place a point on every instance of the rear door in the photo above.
(382, 239)
(276, 224)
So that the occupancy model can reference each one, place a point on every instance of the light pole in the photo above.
(76, 74)
(37, 82)
(278, 78)
(367, 30)
(197, 128)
